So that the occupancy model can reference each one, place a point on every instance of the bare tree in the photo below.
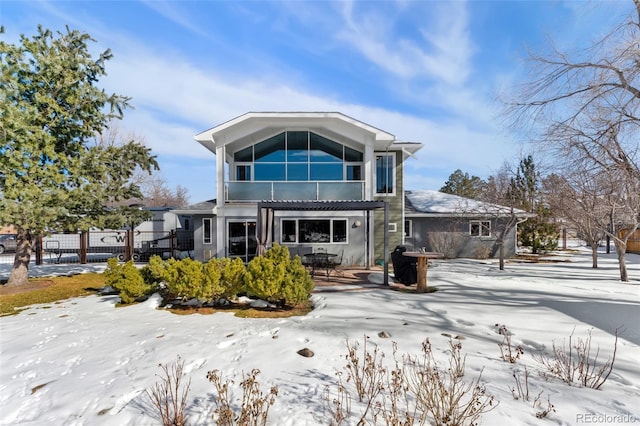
(584, 106)
(157, 193)
(576, 198)
(155, 189)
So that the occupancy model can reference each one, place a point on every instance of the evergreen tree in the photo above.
(53, 176)
(539, 233)
(463, 185)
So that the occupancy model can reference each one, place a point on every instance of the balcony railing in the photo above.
(281, 191)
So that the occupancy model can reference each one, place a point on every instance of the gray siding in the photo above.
(451, 236)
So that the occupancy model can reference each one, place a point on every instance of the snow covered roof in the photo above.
(436, 203)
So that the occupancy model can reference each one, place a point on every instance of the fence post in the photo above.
(84, 244)
(128, 246)
(173, 239)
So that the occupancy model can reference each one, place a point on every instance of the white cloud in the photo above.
(444, 56)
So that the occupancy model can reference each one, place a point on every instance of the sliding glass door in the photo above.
(241, 239)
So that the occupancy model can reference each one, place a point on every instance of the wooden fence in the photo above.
(633, 243)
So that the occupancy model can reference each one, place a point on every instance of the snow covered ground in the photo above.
(85, 362)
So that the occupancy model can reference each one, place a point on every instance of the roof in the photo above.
(252, 125)
(439, 204)
(203, 207)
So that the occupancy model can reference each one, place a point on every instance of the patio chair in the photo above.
(334, 264)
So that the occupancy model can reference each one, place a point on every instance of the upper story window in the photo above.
(298, 156)
(385, 176)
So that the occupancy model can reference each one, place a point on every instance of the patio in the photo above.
(355, 279)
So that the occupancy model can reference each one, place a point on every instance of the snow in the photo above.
(84, 361)
(436, 202)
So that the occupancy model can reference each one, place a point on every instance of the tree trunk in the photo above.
(20, 272)
(501, 251)
(621, 250)
(594, 254)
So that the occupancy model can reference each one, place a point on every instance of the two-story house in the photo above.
(307, 180)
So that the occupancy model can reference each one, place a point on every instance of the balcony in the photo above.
(248, 191)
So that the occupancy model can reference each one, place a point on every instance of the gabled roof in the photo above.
(438, 204)
(253, 124)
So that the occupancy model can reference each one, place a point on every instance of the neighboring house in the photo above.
(460, 227)
(318, 180)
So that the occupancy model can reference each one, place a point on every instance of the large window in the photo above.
(298, 156)
(385, 177)
(480, 228)
(313, 230)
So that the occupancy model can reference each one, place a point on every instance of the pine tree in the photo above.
(53, 176)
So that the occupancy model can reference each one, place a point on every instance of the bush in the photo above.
(211, 283)
(411, 391)
(578, 363)
(276, 278)
(190, 279)
(253, 409)
(169, 395)
(154, 272)
(185, 280)
(127, 280)
(232, 276)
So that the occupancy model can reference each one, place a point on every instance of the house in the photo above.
(460, 227)
(307, 180)
(310, 181)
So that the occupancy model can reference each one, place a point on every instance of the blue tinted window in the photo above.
(243, 172)
(326, 171)
(384, 174)
(352, 155)
(354, 172)
(324, 150)
(297, 147)
(270, 150)
(244, 155)
(268, 172)
(297, 171)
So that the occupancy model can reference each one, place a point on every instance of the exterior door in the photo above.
(241, 239)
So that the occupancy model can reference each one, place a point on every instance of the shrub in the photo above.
(278, 279)
(211, 285)
(412, 392)
(508, 351)
(254, 407)
(154, 272)
(185, 280)
(521, 392)
(127, 280)
(169, 395)
(443, 392)
(577, 364)
(232, 276)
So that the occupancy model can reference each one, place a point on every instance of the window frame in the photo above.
(392, 155)
(207, 237)
(312, 164)
(482, 225)
(332, 235)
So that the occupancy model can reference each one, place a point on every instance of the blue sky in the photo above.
(426, 71)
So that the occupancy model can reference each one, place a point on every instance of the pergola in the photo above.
(266, 211)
